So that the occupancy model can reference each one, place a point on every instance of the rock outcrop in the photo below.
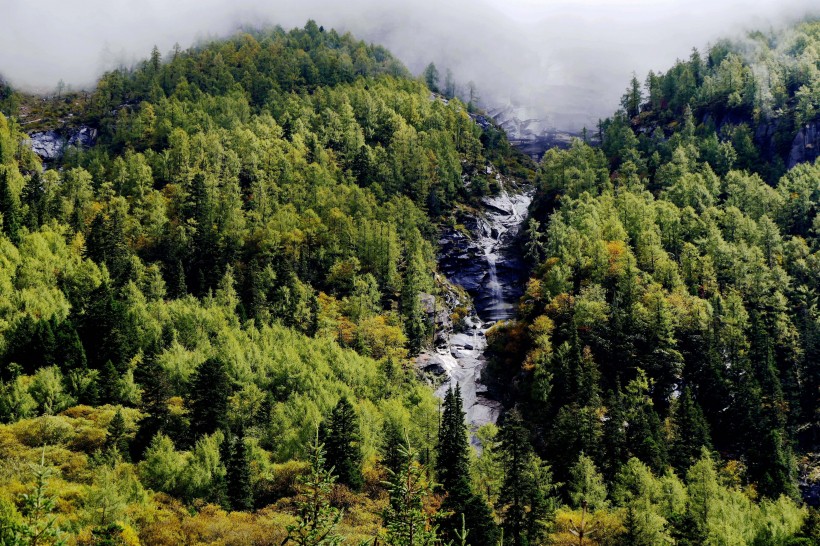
(482, 259)
(806, 145)
(51, 145)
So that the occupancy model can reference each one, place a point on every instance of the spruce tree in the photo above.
(116, 440)
(155, 393)
(108, 389)
(453, 472)
(316, 518)
(342, 437)
(240, 493)
(452, 462)
(69, 352)
(208, 402)
(408, 520)
(393, 442)
(691, 432)
(586, 486)
(516, 453)
(9, 207)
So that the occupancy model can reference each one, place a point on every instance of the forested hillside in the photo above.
(209, 310)
(236, 261)
(673, 305)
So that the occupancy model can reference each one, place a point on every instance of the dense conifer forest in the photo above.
(209, 318)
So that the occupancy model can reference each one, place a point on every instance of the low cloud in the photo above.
(566, 61)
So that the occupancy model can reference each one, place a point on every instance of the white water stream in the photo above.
(462, 357)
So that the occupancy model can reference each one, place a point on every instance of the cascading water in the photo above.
(488, 267)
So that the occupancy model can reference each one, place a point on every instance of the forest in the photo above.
(209, 318)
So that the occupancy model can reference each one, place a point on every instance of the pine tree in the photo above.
(341, 436)
(392, 447)
(414, 283)
(631, 101)
(209, 394)
(108, 389)
(9, 206)
(614, 433)
(38, 506)
(407, 519)
(516, 453)
(69, 353)
(586, 486)
(431, 77)
(452, 463)
(155, 393)
(108, 535)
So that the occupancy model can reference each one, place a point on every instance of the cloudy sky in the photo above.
(568, 60)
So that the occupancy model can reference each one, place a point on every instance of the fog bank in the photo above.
(567, 61)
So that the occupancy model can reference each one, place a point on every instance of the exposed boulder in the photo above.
(51, 145)
(48, 145)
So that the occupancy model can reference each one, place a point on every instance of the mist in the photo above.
(566, 62)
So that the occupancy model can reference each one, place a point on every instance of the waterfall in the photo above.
(488, 267)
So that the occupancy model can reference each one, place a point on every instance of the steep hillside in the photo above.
(760, 93)
(673, 304)
(233, 255)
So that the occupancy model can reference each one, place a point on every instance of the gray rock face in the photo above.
(51, 145)
(485, 265)
(532, 135)
(82, 137)
(806, 145)
(48, 145)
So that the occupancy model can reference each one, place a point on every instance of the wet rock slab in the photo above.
(486, 265)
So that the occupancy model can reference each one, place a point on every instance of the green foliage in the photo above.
(209, 394)
(586, 486)
(238, 472)
(468, 511)
(342, 436)
(316, 517)
(37, 507)
(407, 519)
(525, 501)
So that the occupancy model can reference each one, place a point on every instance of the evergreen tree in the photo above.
(102, 332)
(208, 399)
(108, 389)
(465, 508)
(408, 520)
(691, 432)
(431, 77)
(586, 486)
(393, 447)
(154, 404)
(316, 518)
(517, 488)
(452, 463)
(116, 440)
(238, 473)
(614, 433)
(341, 436)
(9, 206)
(69, 351)
(631, 101)
(108, 535)
(38, 508)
